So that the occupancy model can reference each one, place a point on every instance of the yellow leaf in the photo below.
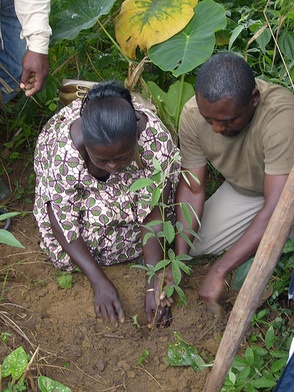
(145, 23)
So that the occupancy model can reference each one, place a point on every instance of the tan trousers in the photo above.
(226, 216)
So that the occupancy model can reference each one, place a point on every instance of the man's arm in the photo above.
(34, 19)
(246, 246)
(193, 194)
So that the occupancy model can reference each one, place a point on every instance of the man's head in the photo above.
(226, 93)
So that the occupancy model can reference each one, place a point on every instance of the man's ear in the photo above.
(255, 97)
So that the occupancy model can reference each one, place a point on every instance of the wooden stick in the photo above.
(264, 263)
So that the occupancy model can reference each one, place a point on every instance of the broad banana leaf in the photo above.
(69, 17)
(194, 44)
(145, 23)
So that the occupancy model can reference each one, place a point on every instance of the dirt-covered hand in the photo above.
(158, 304)
(107, 303)
(211, 291)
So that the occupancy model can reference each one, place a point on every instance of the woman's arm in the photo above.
(106, 299)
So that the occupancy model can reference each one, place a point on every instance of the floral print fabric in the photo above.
(106, 214)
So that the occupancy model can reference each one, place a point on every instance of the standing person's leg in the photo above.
(12, 50)
(226, 216)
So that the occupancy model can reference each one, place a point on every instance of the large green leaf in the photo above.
(15, 364)
(193, 45)
(174, 100)
(182, 353)
(145, 23)
(69, 17)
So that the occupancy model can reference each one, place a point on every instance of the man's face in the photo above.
(226, 116)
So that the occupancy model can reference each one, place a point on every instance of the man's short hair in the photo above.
(225, 75)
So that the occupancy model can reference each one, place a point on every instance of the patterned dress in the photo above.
(105, 213)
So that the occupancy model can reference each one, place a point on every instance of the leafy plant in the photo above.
(182, 353)
(64, 280)
(166, 236)
(5, 236)
(143, 357)
(265, 358)
(16, 364)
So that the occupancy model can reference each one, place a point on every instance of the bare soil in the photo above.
(79, 350)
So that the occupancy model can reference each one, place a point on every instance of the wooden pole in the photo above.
(264, 263)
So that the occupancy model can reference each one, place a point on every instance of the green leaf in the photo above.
(186, 212)
(147, 236)
(194, 44)
(171, 254)
(169, 290)
(7, 238)
(286, 44)
(140, 184)
(181, 294)
(156, 192)
(187, 239)
(69, 17)
(153, 223)
(263, 383)
(249, 355)
(161, 264)
(156, 165)
(65, 281)
(263, 39)
(185, 268)
(289, 246)
(184, 257)
(235, 34)
(177, 91)
(269, 337)
(15, 364)
(8, 215)
(46, 384)
(169, 231)
(278, 365)
(182, 353)
(176, 272)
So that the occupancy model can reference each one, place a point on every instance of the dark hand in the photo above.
(156, 303)
(35, 70)
(107, 303)
(211, 291)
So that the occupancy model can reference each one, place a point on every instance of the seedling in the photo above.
(177, 263)
(143, 357)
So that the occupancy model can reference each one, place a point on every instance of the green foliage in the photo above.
(47, 385)
(15, 365)
(166, 236)
(143, 358)
(5, 236)
(265, 358)
(194, 44)
(64, 280)
(182, 353)
(69, 17)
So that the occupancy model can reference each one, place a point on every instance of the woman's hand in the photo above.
(157, 304)
(107, 303)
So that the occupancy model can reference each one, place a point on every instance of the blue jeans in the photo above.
(12, 50)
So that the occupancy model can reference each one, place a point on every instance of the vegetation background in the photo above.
(101, 40)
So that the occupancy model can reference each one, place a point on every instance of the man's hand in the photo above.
(35, 70)
(211, 291)
(107, 303)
